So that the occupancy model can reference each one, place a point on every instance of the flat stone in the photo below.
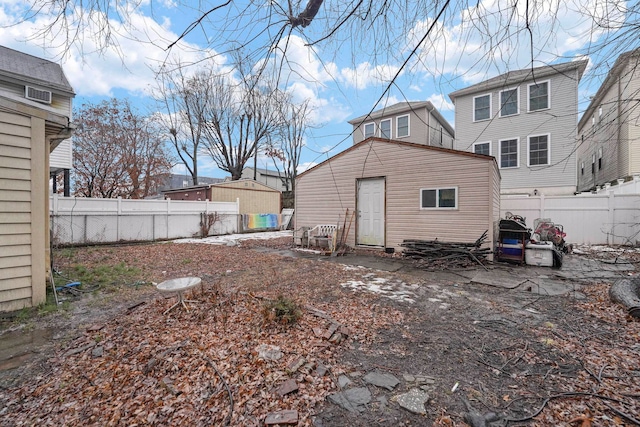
(97, 351)
(289, 386)
(318, 332)
(379, 379)
(343, 381)
(408, 378)
(321, 370)
(422, 380)
(413, 401)
(95, 328)
(296, 364)
(269, 352)
(352, 400)
(281, 417)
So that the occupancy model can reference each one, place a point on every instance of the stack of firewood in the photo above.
(444, 255)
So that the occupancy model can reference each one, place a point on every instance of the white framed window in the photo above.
(538, 148)
(509, 104)
(593, 164)
(402, 126)
(539, 96)
(599, 158)
(482, 107)
(369, 130)
(385, 129)
(439, 198)
(509, 153)
(582, 168)
(482, 148)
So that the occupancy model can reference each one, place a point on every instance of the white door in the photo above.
(371, 212)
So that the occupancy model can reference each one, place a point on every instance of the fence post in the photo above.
(118, 216)
(612, 217)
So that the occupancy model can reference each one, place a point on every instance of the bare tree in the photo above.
(286, 148)
(186, 100)
(240, 117)
(117, 152)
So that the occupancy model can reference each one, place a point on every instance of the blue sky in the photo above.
(344, 78)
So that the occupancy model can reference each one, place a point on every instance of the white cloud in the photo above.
(441, 102)
(366, 75)
(95, 70)
(306, 166)
(464, 48)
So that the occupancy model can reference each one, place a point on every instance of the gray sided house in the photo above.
(416, 122)
(38, 82)
(527, 120)
(609, 130)
(34, 119)
(271, 178)
(402, 190)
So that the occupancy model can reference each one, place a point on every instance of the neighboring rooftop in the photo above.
(22, 67)
(519, 76)
(402, 107)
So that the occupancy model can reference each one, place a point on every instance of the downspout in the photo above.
(429, 124)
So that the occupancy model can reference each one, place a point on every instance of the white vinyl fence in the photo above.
(592, 219)
(79, 220)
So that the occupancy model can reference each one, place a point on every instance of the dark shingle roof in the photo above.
(32, 70)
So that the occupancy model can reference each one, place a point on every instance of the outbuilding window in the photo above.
(439, 198)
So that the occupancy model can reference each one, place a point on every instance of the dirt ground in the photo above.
(113, 358)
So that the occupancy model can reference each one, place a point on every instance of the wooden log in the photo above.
(627, 293)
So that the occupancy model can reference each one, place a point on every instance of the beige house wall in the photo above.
(325, 192)
(254, 197)
(23, 211)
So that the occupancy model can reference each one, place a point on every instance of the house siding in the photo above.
(424, 128)
(62, 156)
(324, 193)
(616, 131)
(23, 218)
(559, 121)
(254, 197)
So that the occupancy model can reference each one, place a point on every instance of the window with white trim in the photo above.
(582, 168)
(599, 158)
(369, 130)
(539, 150)
(402, 126)
(385, 129)
(509, 102)
(593, 164)
(509, 153)
(482, 107)
(539, 96)
(482, 148)
(439, 198)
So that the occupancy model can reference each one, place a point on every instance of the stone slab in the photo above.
(352, 400)
(379, 379)
(413, 401)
